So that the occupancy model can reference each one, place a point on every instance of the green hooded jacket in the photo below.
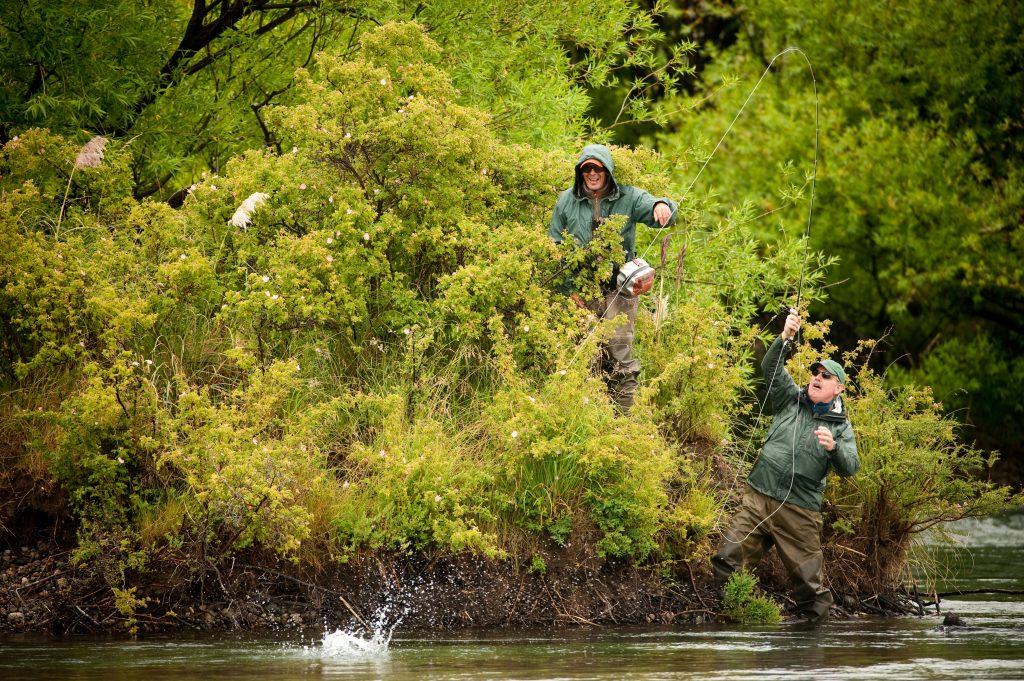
(793, 465)
(573, 214)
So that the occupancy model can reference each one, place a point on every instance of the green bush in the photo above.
(358, 344)
(742, 602)
(916, 473)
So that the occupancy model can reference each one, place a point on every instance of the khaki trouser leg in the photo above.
(618, 366)
(796, 534)
(745, 542)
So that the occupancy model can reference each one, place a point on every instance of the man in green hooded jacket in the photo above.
(594, 196)
(810, 436)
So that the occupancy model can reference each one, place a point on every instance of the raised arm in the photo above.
(781, 387)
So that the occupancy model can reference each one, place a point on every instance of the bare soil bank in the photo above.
(41, 590)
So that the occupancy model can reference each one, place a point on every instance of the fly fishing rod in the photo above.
(806, 238)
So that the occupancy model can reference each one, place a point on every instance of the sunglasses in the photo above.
(593, 170)
(824, 374)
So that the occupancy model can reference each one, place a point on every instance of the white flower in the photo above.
(213, 187)
(562, 372)
(265, 279)
(295, 150)
(515, 434)
(383, 81)
(302, 186)
(349, 211)
(348, 135)
(526, 327)
(273, 297)
(383, 454)
(330, 199)
(266, 293)
(243, 216)
(330, 258)
(530, 397)
(437, 498)
(182, 257)
(255, 441)
(149, 362)
(711, 365)
(135, 364)
(406, 331)
(330, 240)
(344, 485)
(366, 236)
(120, 460)
(586, 400)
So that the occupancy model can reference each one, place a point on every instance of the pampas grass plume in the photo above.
(91, 154)
(243, 216)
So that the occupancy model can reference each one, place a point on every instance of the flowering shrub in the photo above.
(358, 341)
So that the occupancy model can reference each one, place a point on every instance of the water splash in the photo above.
(342, 644)
(371, 642)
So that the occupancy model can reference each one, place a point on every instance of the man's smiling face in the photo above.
(594, 175)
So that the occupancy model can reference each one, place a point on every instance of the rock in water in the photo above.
(953, 620)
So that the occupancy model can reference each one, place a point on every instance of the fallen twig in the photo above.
(693, 583)
(87, 615)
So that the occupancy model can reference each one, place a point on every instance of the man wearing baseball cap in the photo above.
(810, 436)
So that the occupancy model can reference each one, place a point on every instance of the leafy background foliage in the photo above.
(377, 356)
(918, 192)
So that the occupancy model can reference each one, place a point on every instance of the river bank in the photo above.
(41, 590)
(985, 554)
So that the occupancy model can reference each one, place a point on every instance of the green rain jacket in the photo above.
(573, 214)
(801, 461)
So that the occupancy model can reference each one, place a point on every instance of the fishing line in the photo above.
(799, 295)
(714, 151)
(803, 267)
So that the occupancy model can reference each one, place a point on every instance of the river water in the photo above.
(868, 648)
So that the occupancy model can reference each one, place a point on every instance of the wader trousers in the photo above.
(619, 368)
(796, 534)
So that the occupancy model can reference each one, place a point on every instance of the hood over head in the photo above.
(601, 153)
